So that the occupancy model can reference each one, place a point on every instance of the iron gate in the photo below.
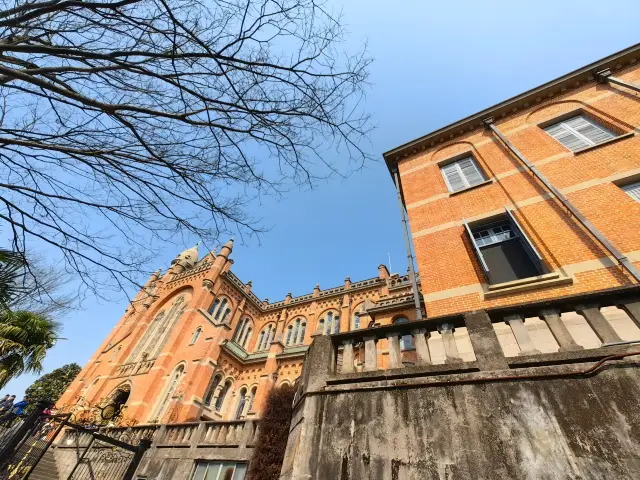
(102, 457)
(25, 441)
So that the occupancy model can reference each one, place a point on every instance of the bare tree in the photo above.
(125, 122)
(43, 289)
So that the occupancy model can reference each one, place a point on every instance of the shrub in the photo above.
(273, 434)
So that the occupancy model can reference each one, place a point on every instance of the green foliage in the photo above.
(25, 338)
(52, 385)
(273, 434)
(11, 267)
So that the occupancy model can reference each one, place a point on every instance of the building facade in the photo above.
(197, 344)
(525, 223)
(488, 232)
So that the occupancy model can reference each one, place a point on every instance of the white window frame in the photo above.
(457, 166)
(573, 131)
(633, 190)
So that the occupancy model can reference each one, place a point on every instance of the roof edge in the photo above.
(621, 59)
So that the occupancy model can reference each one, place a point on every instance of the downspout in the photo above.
(604, 241)
(412, 273)
(605, 76)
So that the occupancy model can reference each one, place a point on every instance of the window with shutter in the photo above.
(461, 174)
(579, 132)
(504, 251)
(633, 190)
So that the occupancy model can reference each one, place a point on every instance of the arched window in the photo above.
(295, 332)
(330, 323)
(172, 386)
(406, 342)
(158, 332)
(356, 320)
(321, 326)
(222, 395)
(221, 308)
(115, 354)
(241, 403)
(196, 334)
(245, 338)
(212, 390)
(213, 306)
(266, 337)
(243, 332)
(252, 396)
(225, 317)
(303, 328)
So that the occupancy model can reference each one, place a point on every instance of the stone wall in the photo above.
(559, 415)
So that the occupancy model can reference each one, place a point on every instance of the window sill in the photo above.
(606, 142)
(477, 185)
(526, 284)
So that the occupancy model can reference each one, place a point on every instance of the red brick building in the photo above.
(196, 343)
(487, 228)
(536, 198)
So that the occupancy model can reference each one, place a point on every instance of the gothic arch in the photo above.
(265, 337)
(295, 331)
(221, 309)
(157, 333)
(244, 331)
(329, 321)
(172, 385)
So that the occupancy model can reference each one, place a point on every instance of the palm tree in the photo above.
(25, 338)
(12, 266)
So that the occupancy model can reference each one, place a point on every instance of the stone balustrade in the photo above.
(240, 433)
(598, 321)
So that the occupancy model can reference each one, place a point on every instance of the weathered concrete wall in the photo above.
(562, 428)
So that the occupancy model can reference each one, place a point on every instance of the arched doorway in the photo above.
(115, 404)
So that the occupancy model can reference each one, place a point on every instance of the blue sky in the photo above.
(434, 63)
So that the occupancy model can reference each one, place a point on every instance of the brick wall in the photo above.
(452, 279)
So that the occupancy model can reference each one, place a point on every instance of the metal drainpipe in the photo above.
(412, 273)
(605, 76)
(623, 260)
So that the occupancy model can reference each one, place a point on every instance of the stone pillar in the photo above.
(420, 337)
(370, 354)
(450, 348)
(633, 310)
(486, 347)
(522, 335)
(395, 357)
(347, 357)
(559, 330)
(599, 324)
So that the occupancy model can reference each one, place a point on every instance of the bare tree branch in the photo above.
(125, 123)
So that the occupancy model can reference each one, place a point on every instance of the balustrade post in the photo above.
(198, 436)
(395, 356)
(247, 433)
(485, 343)
(633, 310)
(519, 330)
(559, 330)
(347, 357)
(450, 347)
(420, 337)
(370, 354)
(603, 330)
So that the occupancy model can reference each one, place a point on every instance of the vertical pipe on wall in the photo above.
(412, 273)
(604, 241)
